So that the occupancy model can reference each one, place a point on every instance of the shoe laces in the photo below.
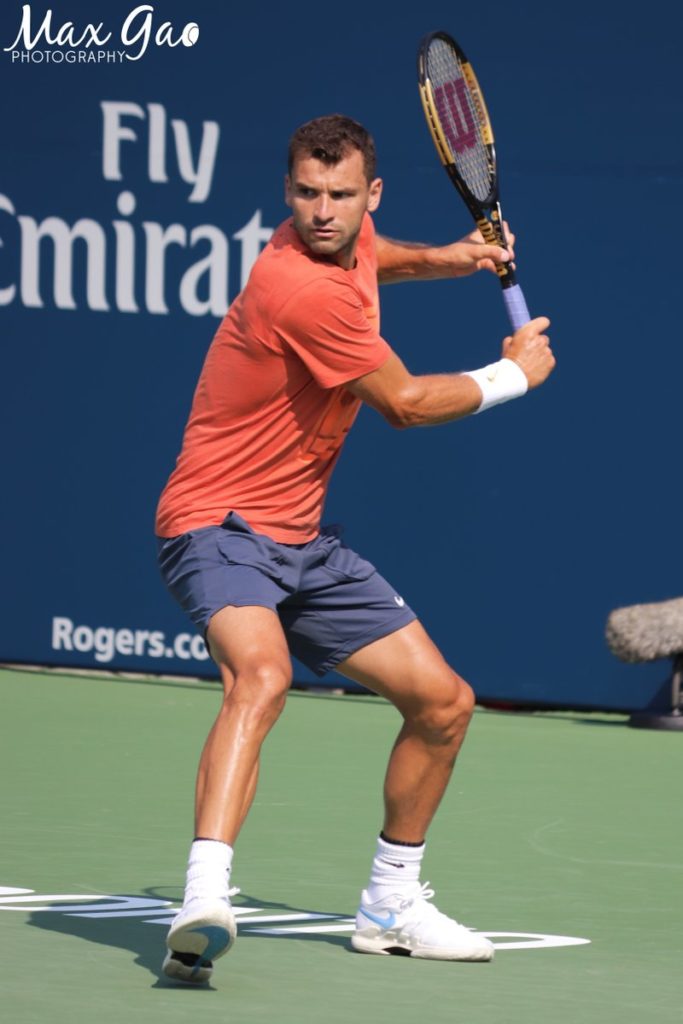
(423, 893)
(420, 898)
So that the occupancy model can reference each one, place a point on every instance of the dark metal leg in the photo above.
(674, 718)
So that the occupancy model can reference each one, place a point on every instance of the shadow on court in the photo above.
(146, 941)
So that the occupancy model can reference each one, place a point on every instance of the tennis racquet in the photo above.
(462, 133)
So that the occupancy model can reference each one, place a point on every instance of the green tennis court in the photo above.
(556, 828)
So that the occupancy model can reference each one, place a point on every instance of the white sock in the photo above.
(395, 869)
(208, 870)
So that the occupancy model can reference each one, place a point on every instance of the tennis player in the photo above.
(242, 549)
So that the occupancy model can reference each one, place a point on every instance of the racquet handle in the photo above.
(515, 304)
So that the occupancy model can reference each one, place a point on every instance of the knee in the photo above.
(444, 718)
(259, 692)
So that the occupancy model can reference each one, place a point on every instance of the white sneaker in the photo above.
(407, 924)
(203, 931)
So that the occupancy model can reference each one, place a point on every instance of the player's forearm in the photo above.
(423, 401)
(436, 398)
(409, 261)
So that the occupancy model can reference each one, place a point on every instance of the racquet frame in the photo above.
(486, 212)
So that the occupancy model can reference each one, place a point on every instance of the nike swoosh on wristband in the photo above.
(384, 922)
(217, 939)
(394, 864)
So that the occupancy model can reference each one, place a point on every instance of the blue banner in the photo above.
(141, 174)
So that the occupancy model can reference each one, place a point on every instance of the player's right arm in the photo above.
(406, 400)
(415, 261)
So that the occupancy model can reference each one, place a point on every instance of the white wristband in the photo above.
(499, 382)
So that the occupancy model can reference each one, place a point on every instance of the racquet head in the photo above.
(458, 120)
(461, 129)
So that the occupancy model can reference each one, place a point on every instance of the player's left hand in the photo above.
(471, 253)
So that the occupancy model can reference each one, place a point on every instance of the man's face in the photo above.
(328, 203)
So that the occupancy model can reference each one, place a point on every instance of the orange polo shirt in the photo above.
(270, 413)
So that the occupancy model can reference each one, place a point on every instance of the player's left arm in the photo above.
(412, 261)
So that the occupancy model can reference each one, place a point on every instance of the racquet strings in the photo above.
(463, 118)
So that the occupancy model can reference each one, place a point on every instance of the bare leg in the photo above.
(211, 755)
(250, 647)
(436, 704)
(395, 913)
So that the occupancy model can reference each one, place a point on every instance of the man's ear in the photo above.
(375, 194)
(288, 190)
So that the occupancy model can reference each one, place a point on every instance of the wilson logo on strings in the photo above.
(455, 115)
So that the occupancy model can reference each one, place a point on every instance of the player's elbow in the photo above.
(406, 408)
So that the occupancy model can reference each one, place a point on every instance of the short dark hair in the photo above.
(330, 138)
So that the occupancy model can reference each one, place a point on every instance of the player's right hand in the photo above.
(530, 348)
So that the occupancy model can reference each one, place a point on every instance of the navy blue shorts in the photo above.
(330, 601)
